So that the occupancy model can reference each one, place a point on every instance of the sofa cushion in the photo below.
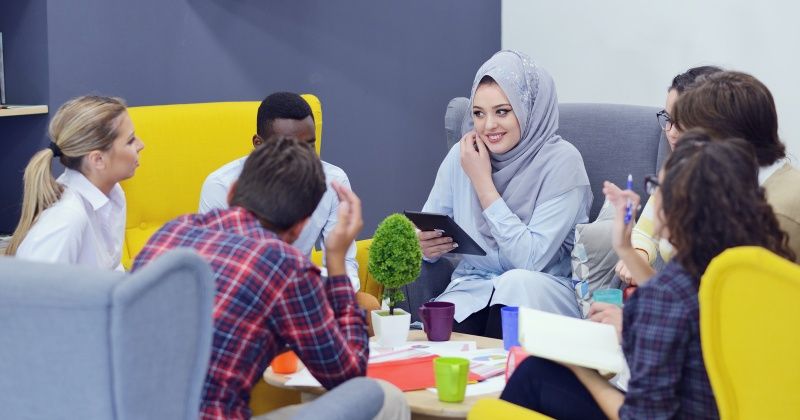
(593, 258)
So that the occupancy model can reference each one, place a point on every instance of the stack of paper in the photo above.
(570, 340)
(378, 354)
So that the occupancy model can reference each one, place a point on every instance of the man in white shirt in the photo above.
(287, 114)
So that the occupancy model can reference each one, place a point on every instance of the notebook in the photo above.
(570, 340)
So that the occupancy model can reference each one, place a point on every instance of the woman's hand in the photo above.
(475, 163)
(606, 313)
(624, 272)
(475, 158)
(621, 233)
(433, 244)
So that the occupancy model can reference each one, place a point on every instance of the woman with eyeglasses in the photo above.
(647, 247)
(706, 199)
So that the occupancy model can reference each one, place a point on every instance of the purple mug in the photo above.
(437, 318)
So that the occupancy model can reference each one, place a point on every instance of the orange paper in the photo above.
(408, 374)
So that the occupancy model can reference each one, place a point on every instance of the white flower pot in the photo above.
(391, 330)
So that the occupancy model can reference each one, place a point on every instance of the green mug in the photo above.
(451, 378)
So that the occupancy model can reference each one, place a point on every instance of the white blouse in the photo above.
(83, 227)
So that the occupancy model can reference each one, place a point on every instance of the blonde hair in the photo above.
(80, 126)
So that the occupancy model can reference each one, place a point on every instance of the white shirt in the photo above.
(83, 227)
(214, 195)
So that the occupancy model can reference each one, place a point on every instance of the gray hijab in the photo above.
(542, 165)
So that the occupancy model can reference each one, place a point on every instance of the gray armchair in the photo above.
(614, 140)
(77, 343)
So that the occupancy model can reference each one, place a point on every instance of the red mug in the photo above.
(516, 355)
(628, 292)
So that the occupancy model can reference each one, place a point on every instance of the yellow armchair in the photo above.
(749, 334)
(183, 144)
(492, 409)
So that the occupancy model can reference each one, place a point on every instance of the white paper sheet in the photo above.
(418, 349)
(570, 340)
(302, 378)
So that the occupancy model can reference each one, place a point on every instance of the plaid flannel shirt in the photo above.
(661, 341)
(268, 296)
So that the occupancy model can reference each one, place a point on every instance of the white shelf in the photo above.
(15, 110)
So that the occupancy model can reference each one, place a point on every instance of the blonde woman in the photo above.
(80, 217)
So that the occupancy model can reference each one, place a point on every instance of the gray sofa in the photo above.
(78, 343)
(614, 140)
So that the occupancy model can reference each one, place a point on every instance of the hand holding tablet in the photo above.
(434, 244)
(440, 234)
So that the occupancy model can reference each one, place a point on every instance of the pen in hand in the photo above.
(628, 207)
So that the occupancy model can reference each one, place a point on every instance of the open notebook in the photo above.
(570, 340)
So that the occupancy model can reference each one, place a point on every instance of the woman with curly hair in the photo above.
(707, 199)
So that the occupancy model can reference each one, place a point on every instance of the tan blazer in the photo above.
(783, 194)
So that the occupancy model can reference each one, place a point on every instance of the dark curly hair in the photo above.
(712, 201)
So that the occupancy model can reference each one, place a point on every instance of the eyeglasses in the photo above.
(651, 184)
(664, 120)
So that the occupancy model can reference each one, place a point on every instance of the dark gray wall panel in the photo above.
(383, 70)
(24, 27)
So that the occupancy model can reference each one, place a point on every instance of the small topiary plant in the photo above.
(395, 257)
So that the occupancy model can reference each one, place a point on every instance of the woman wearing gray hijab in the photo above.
(518, 189)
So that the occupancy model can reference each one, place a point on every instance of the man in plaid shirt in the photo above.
(269, 295)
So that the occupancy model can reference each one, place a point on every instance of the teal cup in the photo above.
(612, 296)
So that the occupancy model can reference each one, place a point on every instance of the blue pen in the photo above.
(628, 208)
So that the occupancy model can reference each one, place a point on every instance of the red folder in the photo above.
(408, 374)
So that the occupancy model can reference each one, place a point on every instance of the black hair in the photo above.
(285, 105)
(682, 81)
(281, 183)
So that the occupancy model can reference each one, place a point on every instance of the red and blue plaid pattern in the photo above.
(269, 296)
(661, 341)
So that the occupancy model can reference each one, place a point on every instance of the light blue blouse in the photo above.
(543, 245)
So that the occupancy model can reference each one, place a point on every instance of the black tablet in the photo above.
(448, 226)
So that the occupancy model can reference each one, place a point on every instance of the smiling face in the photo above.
(123, 156)
(494, 119)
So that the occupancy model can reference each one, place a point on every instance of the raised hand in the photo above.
(348, 225)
